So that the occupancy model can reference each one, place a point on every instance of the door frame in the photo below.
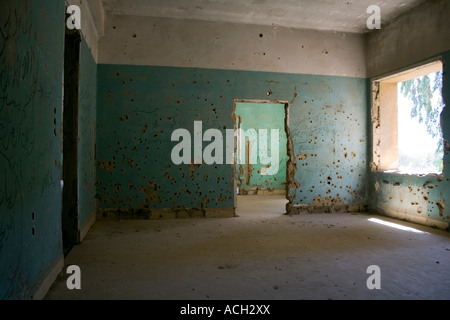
(290, 150)
(70, 214)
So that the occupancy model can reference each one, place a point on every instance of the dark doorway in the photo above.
(70, 140)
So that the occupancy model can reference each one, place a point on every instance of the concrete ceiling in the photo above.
(337, 15)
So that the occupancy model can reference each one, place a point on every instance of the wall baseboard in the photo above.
(87, 225)
(165, 213)
(47, 281)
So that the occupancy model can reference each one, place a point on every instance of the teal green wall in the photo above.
(266, 116)
(86, 133)
(31, 68)
(140, 106)
(31, 73)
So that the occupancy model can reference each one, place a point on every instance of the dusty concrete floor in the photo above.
(260, 255)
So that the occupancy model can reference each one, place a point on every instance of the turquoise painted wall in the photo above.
(31, 73)
(140, 106)
(86, 133)
(266, 116)
(414, 197)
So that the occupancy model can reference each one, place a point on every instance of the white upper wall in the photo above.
(135, 40)
(418, 35)
(415, 36)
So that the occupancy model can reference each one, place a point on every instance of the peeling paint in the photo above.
(150, 193)
(192, 168)
(441, 206)
(142, 146)
(107, 165)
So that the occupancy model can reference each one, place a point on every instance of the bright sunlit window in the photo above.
(420, 147)
(408, 130)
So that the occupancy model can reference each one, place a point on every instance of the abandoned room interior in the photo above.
(224, 149)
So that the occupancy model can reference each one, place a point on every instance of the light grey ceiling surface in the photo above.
(336, 15)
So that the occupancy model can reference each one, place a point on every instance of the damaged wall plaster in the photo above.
(418, 198)
(140, 106)
(143, 98)
(410, 197)
(407, 44)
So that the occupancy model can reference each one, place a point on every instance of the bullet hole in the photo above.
(261, 35)
(269, 93)
(33, 216)
(134, 35)
(441, 206)
(194, 82)
(33, 231)
(114, 27)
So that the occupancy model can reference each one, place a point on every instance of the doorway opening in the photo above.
(261, 151)
(70, 230)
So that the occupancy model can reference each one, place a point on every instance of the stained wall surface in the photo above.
(150, 76)
(418, 37)
(140, 106)
(31, 69)
(31, 102)
(133, 40)
(158, 75)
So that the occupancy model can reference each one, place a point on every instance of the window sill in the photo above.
(406, 173)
